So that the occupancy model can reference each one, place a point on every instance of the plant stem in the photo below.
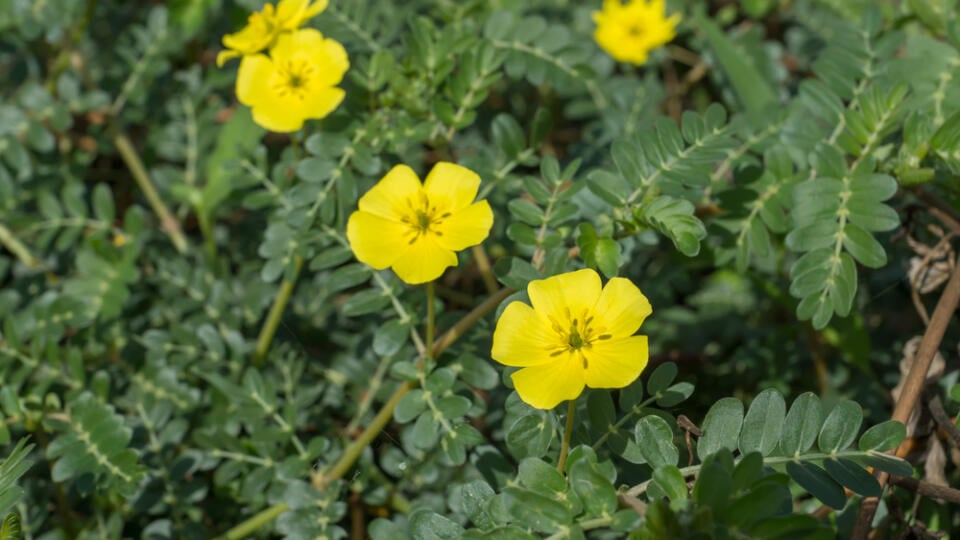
(431, 321)
(913, 384)
(275, 314)
(567, 433)
(486, 270)
(350, 455)
(139, 172)
(585, 525)
(15, 246)
(255, 523)
(352, 452)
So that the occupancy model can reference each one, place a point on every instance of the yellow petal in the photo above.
(621, 308)
(314, 9)
(522, 338)
(252, 79)
(331, 61)
(279, 115)
(299, 43)
(564, 297)
(225, 56)
(322, 102)
(375, 240)
(388, 198)
(467, 227)
(452, 184)
(547, 385)
(290, 13)
(615, 363)
(424, 261)
(251, 40)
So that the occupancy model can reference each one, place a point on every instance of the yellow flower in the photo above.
(296, 82)
(575, 335)
(628, 32)
(264, 27)
(417, 228)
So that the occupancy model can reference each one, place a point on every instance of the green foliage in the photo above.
(191, 346)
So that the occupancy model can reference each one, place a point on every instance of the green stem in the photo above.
(255, 523)
(139, 172)
(352, 452)
(586, 525)
(206, 227)
(636, 409)
(16, 247)
(431, 323)
(567, 433)
(275, 314)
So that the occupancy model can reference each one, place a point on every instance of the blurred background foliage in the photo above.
(781, 181)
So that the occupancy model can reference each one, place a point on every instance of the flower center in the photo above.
(635, 31)
(422, 217)
(293, 78)
(579, 336)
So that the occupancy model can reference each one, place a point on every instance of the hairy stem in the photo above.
(15, 246)
(255, 523)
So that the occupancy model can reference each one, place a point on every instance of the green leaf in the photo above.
(751, 86)
(515, 272)
(428, 525)
(675, 219)
(237, 138)
(817, 482)
(530, 435)
(595, 490)
(887, 463)
(600, 253)
(841, 426)
(103, 203)
(390, 337)
(537, 475)
(654, 438)
(10, 527)
(850, 475)
(661, 378)
(883, 436)
(676, 394)
(669, 480)
(536, 511)
(12, 468)
(721, 427)
(471, 499)
(763, 424)
(802, 424)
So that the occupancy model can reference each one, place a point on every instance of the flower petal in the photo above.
(225, 56)
(255, 71)
(388, 198)
(467, 227)
(451, 184)
(423, 261)
(522, 338)
(330, 61)
(375, 240)
(315, 8)
(279, 115)
(290, 13)
(621, 308)
(322, 102)
(564, 297)
(546, 385)
(301, 42)
(615, 363)
(253, 38)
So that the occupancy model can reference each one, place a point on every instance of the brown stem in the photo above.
(942, 420)
(926, 488)
(913, 384)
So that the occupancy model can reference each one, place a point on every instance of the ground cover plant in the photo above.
(479, 269)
